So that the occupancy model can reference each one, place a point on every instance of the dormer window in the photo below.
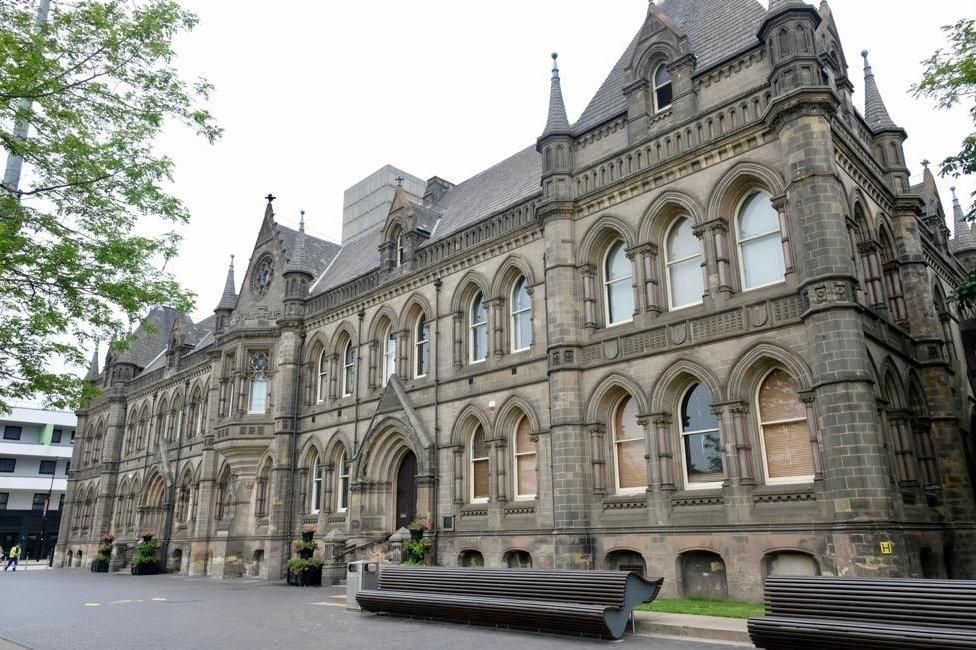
(398, 252)
(662, 88)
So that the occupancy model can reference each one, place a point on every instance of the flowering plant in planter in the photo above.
(420, 524)
(304, 570)
(309, 528)
(100, 563)
(107, 538)
(304, 545)
(146, 561)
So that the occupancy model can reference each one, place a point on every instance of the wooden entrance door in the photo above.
(406, 491)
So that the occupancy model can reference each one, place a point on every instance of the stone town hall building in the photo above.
(702, 331)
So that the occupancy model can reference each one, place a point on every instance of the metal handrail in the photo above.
(378, 540)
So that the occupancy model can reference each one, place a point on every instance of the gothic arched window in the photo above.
(348, 369)
(258, 393)
(421, 348)
(630, 471)
(479, 466)
(701, 440)
(683, 258)
(760, 242)
(526, 483)
(618, 284)
(784, 436)
(663, 92)
(389, 354)
(477, 329)
(521, 316)
(342, 483)
(322, 379)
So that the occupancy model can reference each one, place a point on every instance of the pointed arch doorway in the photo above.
(406, 491)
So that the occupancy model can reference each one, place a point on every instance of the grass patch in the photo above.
(703, 607)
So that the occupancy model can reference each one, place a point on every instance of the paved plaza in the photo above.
(60, 609)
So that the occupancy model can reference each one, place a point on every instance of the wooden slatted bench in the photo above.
(828, 612)
(587, 603)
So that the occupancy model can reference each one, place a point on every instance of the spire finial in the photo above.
(557, 122)
(231, 261)
(925, 163)
(399, 180)
(93, 365)
(268, 210)
(270, 197)
(301, 221)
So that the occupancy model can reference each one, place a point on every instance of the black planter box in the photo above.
(306, 578)
(99, 566)
(145, 569)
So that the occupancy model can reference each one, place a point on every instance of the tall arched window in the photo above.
(784, 436)
(421, 348)
(263, 491)
(663, 93)
(193, 413)
(258, 398)
(389, 354)
(618, 279)
(701, 441)
(342, 486)
(397, 236)
(683, 257)
(348, 369)
(630, 470)
(161, 414)
(760, 242)
(479, 466)
(322, 381)
(526, 483)
(315, 491)
(521, 316)
(477, 329)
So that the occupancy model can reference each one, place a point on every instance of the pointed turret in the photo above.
(875, 113)
(93, 371)
(298, 262)
(557, 122)
(962, 234)
(228, 300)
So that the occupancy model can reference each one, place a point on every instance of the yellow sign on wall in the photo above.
(887, 548)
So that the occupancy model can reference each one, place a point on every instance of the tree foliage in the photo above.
(96, 82)
(950, 79)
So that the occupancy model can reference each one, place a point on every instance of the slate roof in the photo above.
(509, 182)
(875, 113)
(716, 29)
(146, 345)
(318, 252)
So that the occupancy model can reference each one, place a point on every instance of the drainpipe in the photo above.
(438, 285)
(293, 441)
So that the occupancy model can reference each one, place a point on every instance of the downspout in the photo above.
(438, 284)
(552, 482)
(293, 441)
(361, 314)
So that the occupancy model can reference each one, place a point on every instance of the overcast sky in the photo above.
(314, 96)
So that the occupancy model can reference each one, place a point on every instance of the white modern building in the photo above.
(35, 456)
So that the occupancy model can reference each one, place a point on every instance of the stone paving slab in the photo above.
(108, 611)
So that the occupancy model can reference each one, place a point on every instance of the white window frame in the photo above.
(399, 248)
(389, 356)
(322, 387)
(250, 393)
(418, 346)
(342, 483)
(710, 485)
(655, 86)
(517, 456)
(315, 493)
(668, 263)
(786, 480)
(616, 449)
(516, 313)
(473, 327)
(471, 462)
(739, 242)
(348, 369)
(607, 282)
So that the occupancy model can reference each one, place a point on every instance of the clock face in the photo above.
(262, 275)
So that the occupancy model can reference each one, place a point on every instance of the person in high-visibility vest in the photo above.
(13, 556)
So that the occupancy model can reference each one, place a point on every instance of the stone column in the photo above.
(665, 457)
(780, 204)
(816, 444)
(720, 235)
(458, 475)
(599, 460)
(589, 297)
(498, 317)
(739, 414)
(458, 339)
(638, 280)
(372, 378)
(648, 262)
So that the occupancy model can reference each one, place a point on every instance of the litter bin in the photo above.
(361, 574)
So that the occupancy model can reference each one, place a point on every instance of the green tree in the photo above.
(95, 83)
(950, 79)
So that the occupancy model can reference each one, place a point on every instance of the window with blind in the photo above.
(525, 461)
(701, 440)
(628, 447)
(783, 431)
(479, 466)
